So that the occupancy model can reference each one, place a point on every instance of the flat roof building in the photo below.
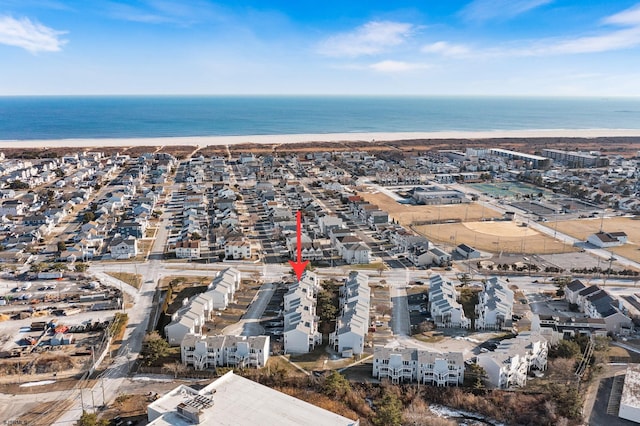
(630, 398)
(575, 159)
(234, 400)
(534, 161)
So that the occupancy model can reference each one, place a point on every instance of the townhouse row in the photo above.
(404, 365)
(352, 323)
(493, 311)
(195, 313)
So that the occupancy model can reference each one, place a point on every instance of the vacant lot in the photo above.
(407, 214)
(494, 237)
(582, 228)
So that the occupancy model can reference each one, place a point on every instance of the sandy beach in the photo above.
(203, 141)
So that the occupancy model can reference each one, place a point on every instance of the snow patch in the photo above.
(40, 383)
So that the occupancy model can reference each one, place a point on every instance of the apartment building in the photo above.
(445, 309)
(495, 305)
(509, 364)
(203, 352)
(195, 312)
(301, 333)
(401, 365)
(352, 324)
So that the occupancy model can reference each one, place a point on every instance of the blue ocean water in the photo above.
(24, 118)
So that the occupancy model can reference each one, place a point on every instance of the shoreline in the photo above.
(202, 141)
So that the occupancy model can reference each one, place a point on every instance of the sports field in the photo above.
(507, 189)
(406, 214)
(582, 228)
(494, 237)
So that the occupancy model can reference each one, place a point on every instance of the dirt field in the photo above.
(582, 228)
(408, 214)
(494, 237)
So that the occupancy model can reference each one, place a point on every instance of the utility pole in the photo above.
(104, 400)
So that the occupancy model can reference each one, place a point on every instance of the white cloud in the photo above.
(446, 49)
(618, 39)
(369, 39)
(626, 36)
(397, 66)
(484, 10)
(163, 12)
(629, 16)
(29, 35)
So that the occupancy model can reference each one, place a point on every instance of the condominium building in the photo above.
(445, 309)
(495, 305)
(204, 352)
(301, 333)
(190, 318)
(401, 365)
(509, 364)
(352, 324)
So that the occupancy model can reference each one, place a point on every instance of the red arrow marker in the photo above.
(298, 266)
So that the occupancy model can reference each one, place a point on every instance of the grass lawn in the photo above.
(134, 280)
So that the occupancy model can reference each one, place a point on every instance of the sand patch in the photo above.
(500, 229)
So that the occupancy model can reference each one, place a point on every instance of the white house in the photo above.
(445, 309)
(352, 324)
(202, 352)
(509, 364)
(123, 248)
(188, 249)
(495, 305)
(401, 365)
(607, 239)
(238, 249)
(356, 253)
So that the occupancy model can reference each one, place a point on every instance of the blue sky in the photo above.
(428, 47)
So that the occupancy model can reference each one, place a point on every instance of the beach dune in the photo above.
(203, 141)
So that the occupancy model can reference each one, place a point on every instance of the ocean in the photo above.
(60, 117)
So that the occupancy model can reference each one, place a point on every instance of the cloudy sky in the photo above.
(400, 47)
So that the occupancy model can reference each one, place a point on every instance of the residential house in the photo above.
(123, 248)
(238, 248)
(438, 257)
(132, 228)
(12, 208)
(188, 249)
